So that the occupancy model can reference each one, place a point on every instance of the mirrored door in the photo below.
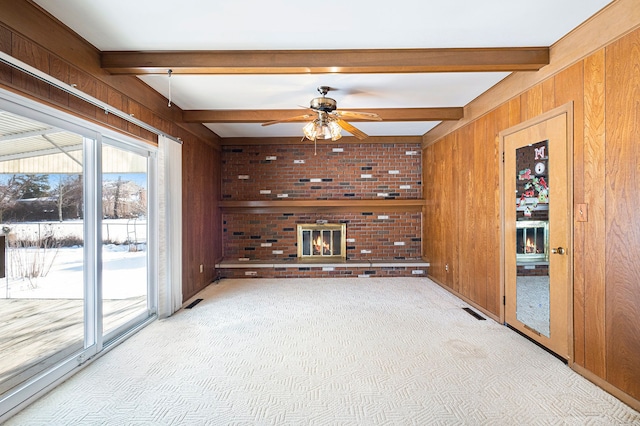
(537, 233)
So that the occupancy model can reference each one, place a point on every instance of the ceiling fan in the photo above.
(326, 120)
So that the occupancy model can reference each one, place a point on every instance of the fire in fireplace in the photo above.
(322, 241)
(532, 240)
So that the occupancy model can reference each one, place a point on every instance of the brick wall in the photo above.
(370, 236)
(359, 172)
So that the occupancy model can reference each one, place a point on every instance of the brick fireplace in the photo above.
(374, 191)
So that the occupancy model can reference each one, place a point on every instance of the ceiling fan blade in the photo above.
(358, 115)
(284, 120)
(351, 129)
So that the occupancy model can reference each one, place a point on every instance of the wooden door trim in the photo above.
(563, 109)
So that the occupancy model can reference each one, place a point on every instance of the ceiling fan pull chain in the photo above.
(169, 73)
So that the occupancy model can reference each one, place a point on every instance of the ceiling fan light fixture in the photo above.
(318, 129)
(309, 130)
(336, 130)
(329, 121)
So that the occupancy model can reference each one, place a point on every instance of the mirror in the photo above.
(532, 237)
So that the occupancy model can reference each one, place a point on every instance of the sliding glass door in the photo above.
(125, 193)
(42, 298)
(75, 203)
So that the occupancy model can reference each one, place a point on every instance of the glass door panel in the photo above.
(124, 234)
(42, 234)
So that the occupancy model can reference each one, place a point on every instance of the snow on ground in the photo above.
(113, 230)
(124, 272)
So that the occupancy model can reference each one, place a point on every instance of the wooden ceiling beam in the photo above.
(353, 61)
(262, 116)
(298, 140)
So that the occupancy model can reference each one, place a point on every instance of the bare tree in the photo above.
(116, 198)
(69, 195)
(20, 187)
(123, 199)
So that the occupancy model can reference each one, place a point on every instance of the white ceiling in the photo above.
(163, 25)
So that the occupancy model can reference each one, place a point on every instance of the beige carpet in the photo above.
(348, 351)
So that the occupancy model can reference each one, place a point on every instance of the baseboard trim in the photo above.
(491, 315)
(606, 386)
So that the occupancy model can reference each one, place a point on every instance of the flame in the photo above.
(530, 247)
(320, 246)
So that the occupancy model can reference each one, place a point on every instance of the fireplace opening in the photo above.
(322, 241)
(532, 241)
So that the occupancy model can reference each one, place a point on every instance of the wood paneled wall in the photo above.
(621, 227)
(462, 226)
(462, 222)
(32, 36)
(202, 220)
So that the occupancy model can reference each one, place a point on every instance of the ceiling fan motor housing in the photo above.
(324, 104)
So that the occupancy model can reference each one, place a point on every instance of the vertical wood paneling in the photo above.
(447, 155)
(60, 70)
(432, 238)
(622, 214)
(102, 93)
(515, 112)
(594, 248)
(453, 189)
(426, 247)
(481, 193)
(433, 224)
(452, 255)
(437, 188)
(30, 54)
(569, 88)
(133, 108)
(548, 95)
(463, 202)
(497, 121)
(116, 99)
(432, 244)
(531, 103)
(5, 46)
(87, 84)
(201, 220)
(467, 216)
(444, 231)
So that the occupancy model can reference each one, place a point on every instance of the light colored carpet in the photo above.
(363, 351)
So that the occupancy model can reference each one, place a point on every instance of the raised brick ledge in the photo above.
(255, 264)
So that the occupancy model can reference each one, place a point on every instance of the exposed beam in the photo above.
(298, 140)
(262, 116)
(326, 61)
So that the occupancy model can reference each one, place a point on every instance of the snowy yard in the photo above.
(124, 271)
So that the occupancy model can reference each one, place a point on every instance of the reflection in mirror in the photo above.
(532, 237)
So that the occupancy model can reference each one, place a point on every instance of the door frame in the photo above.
(563, 109)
